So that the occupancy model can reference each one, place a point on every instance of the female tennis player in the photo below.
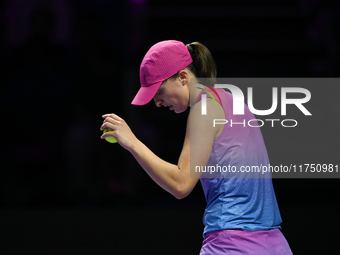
(242, 215)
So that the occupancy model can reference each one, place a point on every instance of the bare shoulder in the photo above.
(203, 123)
(213, 109)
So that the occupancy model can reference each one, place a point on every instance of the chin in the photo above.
(177, 111)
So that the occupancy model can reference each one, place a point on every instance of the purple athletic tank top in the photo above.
(237, 199)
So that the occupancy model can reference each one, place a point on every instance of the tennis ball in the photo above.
(110, 139)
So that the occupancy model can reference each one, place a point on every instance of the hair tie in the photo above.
(191, 50)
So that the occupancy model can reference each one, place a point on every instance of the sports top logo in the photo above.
(204, 97)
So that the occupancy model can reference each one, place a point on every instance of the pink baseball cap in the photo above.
(163, 60)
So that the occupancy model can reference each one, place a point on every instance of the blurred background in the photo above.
(66, 62)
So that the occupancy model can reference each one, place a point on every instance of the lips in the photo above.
(170, 107)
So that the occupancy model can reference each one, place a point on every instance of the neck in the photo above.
(194, 91)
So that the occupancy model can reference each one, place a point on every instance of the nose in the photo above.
(158, 102)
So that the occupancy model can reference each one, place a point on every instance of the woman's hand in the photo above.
(120, 130)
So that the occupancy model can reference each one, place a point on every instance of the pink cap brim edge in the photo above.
(145, 94)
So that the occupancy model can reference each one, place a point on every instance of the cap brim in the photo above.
(145, 94)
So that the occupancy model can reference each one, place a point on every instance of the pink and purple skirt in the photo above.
(237, 242)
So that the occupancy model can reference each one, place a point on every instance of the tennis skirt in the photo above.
(237, 242)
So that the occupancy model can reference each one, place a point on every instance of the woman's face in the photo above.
(174, 93)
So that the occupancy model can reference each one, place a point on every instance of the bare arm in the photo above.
(173, 178)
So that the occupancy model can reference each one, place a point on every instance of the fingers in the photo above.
(107, 134)
(107, 125)
(112, 120)
(110, 126)
(112, 115)
(109, 122)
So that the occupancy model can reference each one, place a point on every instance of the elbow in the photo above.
(180, 195)
(181, 192)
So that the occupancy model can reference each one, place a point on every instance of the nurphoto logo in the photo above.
(238, 104)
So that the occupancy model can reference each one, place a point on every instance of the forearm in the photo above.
(168, 176)
(174, 179)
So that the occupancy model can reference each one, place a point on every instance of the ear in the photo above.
(183, 76)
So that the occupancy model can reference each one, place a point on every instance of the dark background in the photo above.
(65, 63)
